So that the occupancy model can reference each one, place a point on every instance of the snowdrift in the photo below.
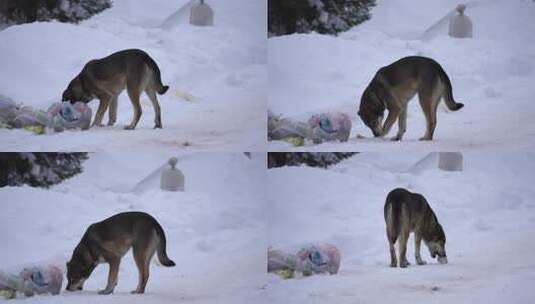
(487, 212)
(492, 74)
(223, 69)
(215, 230)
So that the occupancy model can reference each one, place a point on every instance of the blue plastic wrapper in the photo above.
(310, 259)
(31, 280)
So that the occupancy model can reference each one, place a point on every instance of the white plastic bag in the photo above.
(310, 259)
(33, 279)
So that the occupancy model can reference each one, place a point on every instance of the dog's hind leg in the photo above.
(426, 102)
(134, 93)
(143, 253)
(391, 235)
(157, 112)
(434, 106)
(102, 107)
(112, 276)
(403, 238)
(393, 259)
(417, 243)
(112, 112)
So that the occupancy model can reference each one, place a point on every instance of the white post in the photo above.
(450, 161)
(460, 25)
(172, 179)
(201, 15)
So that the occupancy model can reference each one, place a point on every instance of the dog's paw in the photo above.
(396, 138)
(425, 138)
(136, 292)
(97, 125)
(111, 123)
(158, 127)
(393, 265)
(129, 127)
(421, 262)
(404, 264)
(105, 292)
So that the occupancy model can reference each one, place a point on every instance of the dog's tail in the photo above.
(161, 249)
(157, 75)
(448, 92)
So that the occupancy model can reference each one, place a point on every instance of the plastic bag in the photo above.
(330, 126)
(8, 110)
(36, 279)
(311, 259)
(63, 115)
(29, 117)
(319, 128)
(282, 128)
(59, 116)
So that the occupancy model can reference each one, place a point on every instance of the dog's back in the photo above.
(407, 212)
(404, 210)
(129, 228)
(129, 64)
(109, 240)
(423, 74)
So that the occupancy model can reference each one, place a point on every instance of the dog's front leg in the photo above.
(390, 119)
(112, 113)
(402, 124)
(102, 107)
(417, 242)
(112, 276)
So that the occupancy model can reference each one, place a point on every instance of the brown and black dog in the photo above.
(407, 212)
(107, 77)
(392, 88)
(109, 240)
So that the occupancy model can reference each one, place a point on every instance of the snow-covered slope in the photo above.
(223, 67)
(492, 74)
(487, 211)
(215, 229)
(488, 214)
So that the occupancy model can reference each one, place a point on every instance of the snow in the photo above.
(492, 74)
(215, 229)
(487, 211)
(222, 67)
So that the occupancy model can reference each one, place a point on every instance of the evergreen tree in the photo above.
(38, 169)
(312, 159)
(322, 16)
(26, 11)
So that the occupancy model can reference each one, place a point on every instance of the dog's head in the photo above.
(75, 92)
(371, 111)
(437, 245)
(79, 268)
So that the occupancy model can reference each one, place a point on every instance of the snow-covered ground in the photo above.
(492, 74)
(215, 229)
(223, 67)
(487, 211)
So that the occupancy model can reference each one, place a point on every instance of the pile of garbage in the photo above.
(309, 260)
(36, 279)
(59, 116)
(319, 128)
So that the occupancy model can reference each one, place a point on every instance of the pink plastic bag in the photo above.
(36, 279)
(311, 259)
